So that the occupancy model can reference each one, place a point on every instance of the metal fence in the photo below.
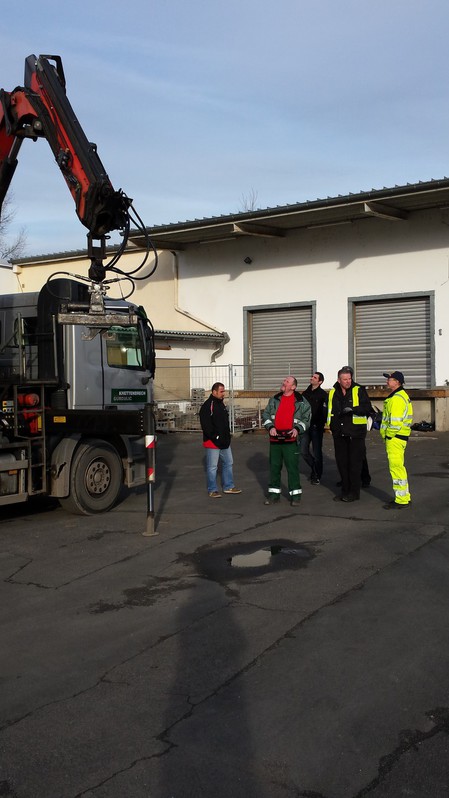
(179, 392)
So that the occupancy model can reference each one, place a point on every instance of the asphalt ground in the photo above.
(245, 651)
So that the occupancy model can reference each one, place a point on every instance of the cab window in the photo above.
(124, 348)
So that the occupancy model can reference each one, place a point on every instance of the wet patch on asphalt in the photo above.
(142, 596)
(100, 535)
(410, 741)
(248, 561)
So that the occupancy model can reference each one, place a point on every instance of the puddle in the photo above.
(248, 561)
(261, 557)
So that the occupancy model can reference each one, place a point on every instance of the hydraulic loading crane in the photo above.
(71, 426)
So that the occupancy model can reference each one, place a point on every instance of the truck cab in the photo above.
(72, 398)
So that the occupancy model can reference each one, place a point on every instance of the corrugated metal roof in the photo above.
(340, 199)
(394, 203)
(391, 203)
(187, 335)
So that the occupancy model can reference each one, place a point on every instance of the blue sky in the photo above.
(194, 106)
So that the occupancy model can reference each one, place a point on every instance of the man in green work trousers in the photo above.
(286, 416)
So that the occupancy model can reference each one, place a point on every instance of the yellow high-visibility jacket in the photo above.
(397, 416)
(352, 424)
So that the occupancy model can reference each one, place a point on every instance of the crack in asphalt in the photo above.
(441, 715)
(288, 634)
(112, 564)
(386, 762)
(118, 773)
(162, 542)
(409, 739)
(105, 678)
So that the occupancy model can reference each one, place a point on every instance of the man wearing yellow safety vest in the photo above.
(348, 410)
(397, 418)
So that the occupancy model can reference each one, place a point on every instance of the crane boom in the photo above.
(41, 109)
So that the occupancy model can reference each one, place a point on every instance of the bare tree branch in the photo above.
(248, 202)
(10, 248)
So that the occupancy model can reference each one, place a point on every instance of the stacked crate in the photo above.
(165, 419)
(197, 397)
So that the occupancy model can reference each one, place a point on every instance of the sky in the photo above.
(199, 107)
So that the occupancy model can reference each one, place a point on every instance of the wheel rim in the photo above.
(98, 477)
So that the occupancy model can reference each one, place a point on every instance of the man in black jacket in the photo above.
(312, 439)
(348, 410)
(214, 421)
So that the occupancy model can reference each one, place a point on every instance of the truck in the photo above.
(76, 366)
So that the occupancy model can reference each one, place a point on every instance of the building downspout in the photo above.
(13, 269)
(224, 335)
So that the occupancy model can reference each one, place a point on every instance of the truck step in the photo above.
(14, 498)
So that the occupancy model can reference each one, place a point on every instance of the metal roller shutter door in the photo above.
(393, 334)
(281, 343)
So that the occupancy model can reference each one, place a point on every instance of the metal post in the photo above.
(231, 398)
(150, 466)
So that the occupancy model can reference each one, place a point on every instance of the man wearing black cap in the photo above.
(397, 418)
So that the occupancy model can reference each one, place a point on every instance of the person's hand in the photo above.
(294, 432)
(273, 432)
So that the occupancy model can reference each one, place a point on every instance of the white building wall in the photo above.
(372, 258)
(206, 287)
(8, 279)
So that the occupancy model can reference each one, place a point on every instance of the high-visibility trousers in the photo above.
(395, 453)
(288, 454)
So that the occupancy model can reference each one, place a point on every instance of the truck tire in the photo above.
(96, 479)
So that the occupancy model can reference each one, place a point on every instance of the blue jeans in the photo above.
(213, 456)
(313, 438)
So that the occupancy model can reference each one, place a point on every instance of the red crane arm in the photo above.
(40, 109)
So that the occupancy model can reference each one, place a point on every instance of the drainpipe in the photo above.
(224, 335)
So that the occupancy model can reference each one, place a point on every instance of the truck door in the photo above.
(107, 371)
(126, 378)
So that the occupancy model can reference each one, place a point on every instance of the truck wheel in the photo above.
(96, 479)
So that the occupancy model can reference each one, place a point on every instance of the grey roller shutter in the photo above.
(280, 343)
(393, 334)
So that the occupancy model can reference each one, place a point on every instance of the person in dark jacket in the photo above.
(365, 475)
(312, 439)
(348, 409)
(214, 421)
